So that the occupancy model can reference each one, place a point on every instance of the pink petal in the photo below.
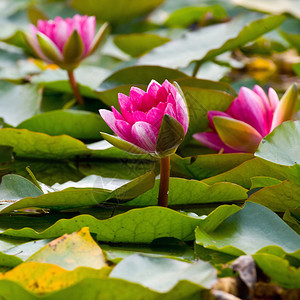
(124, 102)
(145, 135)
(162, 95)
(124, 130)
(264, 99)
(109, 118)
(170, 88)
(182, 113)
(153, 87)
(249, 109)
(154, 117)
(274, 100)
(88, 33)
(139, 116)
(170, 110)
(117, 115)
(61, 32)
(147, 102)
(213, 141)
(136, 96)
(214, 113)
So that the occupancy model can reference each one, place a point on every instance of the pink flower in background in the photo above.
(142, 113)
(250, 117)
(65, 41)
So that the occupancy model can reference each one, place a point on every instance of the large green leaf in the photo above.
(78, 124)
(118, 11)
(91, 192)
(183, 192)
(279, 197)
(249, 230)
(122, 80)
(136, 44)
(279, 270)
(29, 144)
(281, 146)
(141, 225)
(243, 173)
(164, 273)
(188, 16)
(87, 77)
(272, 6)
(204, 166)
(72, 251)
(211, 41)
(90, 287)
(15, 187)
(17, 103)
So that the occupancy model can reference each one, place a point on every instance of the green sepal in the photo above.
(170, 136)
(100, 37)
(123, 145)
(34, 14)
(49, 49)
(73, 49)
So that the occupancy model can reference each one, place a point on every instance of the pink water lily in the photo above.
(142, 113)
(250, 117)
(53, 40)
(65, 42)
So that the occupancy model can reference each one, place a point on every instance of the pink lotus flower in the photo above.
(250, 117)
(65, 42)
(141, 117)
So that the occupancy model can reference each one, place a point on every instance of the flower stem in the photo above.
(164, 181)
(74, 87)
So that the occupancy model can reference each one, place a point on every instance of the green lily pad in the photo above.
(279, 270)
(211, 41)
(249, 230)
(281, 146)
(184, 192)
(68, 122)
(136, 44)
(18, 102)
(165, 272)
(279, 197)
(115, 12)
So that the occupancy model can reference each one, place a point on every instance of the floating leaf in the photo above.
(17, 103)
(68, 122)
(263, 181)
(211, 41)
(165, 273)
(282, 144)
(279, 270)
(279, 197)
(184, 192)
(274, 7)
(115, 12)
(72, 251)
(242, 232)
(136, 44)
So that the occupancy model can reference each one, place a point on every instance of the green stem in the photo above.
(74, 87)
(197, 67)
(164, 181)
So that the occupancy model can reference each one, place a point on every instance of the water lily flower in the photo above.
(142, 114)
(153, 122)
(65, 42)
(250, 117)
